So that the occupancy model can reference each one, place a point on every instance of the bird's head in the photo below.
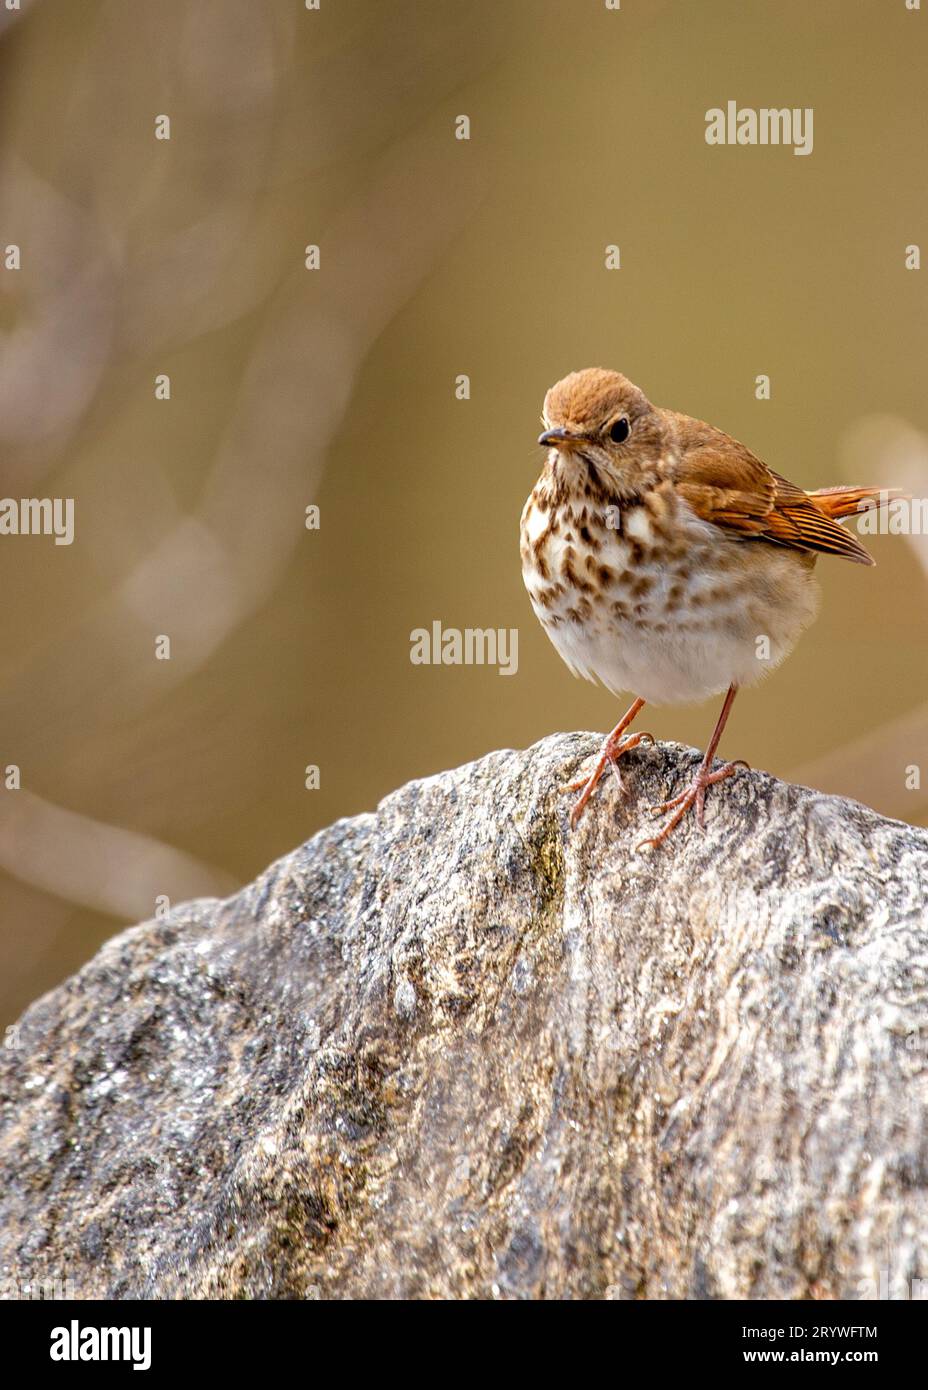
(599, 420)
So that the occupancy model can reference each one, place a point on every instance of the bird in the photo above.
(666, 560)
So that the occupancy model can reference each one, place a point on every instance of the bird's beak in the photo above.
(560, 439)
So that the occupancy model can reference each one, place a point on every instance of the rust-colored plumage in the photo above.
(663, 557)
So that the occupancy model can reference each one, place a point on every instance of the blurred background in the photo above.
(335, 387)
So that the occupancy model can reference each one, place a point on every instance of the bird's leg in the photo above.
(614, 745)
(695, 794)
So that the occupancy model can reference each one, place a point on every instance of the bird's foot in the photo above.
(695, 795)
(613, 748)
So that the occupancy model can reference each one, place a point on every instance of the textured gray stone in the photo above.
(453, 1049)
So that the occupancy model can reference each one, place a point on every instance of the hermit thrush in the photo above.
(662, 558)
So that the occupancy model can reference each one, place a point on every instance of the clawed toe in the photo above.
(694, 795)
(613, 748)
(572, 786)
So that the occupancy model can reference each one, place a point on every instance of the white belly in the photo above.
(727, 612)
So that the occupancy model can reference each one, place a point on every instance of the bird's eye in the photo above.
(618, 430)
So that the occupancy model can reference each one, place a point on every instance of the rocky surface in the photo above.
(451, 1049)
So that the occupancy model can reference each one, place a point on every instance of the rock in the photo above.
(453, 1049)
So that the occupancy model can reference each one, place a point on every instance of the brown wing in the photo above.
(724, 483)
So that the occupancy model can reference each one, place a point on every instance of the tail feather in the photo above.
(851, 501)
(837, 502)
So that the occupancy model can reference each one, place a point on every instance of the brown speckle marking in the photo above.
(551, 594)
(570, 575)
(581, 611)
